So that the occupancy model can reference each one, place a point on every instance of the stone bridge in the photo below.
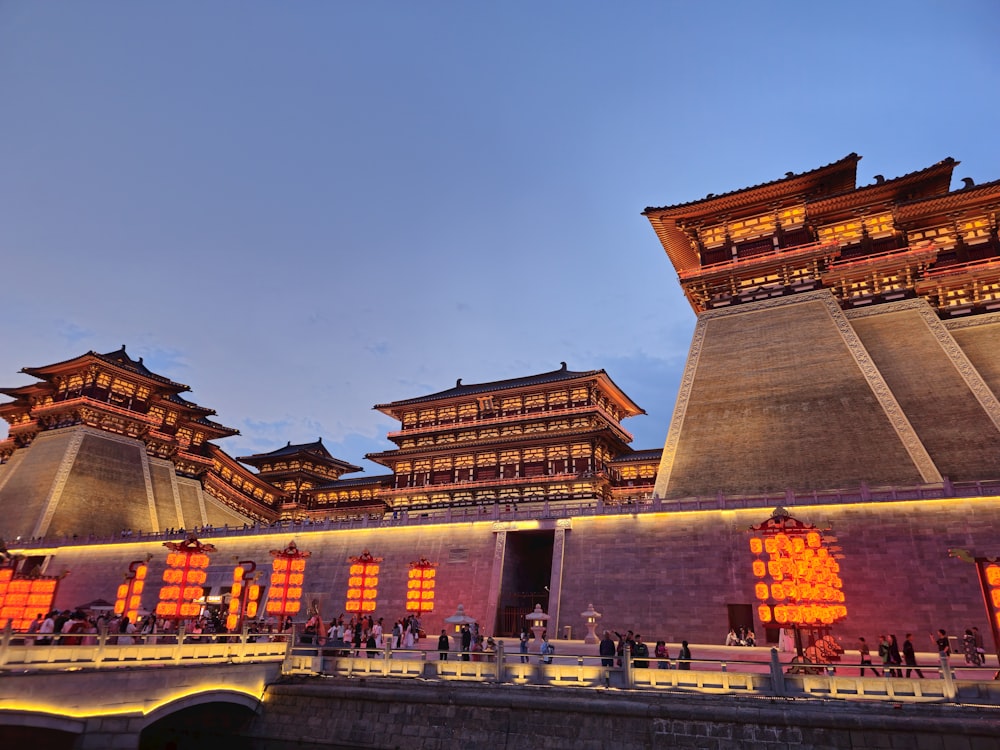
(161, 694)
(109, 696)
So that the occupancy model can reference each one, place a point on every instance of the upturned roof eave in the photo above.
(792, 184)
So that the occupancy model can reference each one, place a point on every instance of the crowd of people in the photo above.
(614, 653)
(893, 658)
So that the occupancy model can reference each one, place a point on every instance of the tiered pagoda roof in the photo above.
(555, 376)
(868, 244)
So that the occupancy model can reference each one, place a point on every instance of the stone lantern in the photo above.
(458, 620)
(538, 619)
(590, 617)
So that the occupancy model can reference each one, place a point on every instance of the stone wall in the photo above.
(338, 713)
(668, 575)
(794, 393)
(80, 480)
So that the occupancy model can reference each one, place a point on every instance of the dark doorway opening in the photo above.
(527, 571)
(740, 618)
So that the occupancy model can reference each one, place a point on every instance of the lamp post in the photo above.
(590, 617)
(538, 619)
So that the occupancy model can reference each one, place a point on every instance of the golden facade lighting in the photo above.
(23, 599)
(244, 597)
(287, 574)
(798, 581)
(129, 597)
(362, 585)
(184, 579)
(420, 587)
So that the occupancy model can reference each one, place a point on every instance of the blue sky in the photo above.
(304, 209)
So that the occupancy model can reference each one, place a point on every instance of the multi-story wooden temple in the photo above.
(103, 432)
(844, 365)
(846, 335)
(545, 438)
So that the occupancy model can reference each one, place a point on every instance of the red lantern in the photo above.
(287, 577)
(362, 590)
(184, 576)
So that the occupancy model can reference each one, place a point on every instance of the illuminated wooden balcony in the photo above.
(960, 288)
(881, 273)
(783, 268)
(479, 484)
(511, 419)
(56, 407)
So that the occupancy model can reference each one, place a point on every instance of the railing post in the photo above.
(8, 632)
(777, 675)
(102, 639)
(627, 666)
(500, 665)
(950, 692)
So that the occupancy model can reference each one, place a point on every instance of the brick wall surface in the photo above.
(778, 401)
(106, 489)
(335, 713)
(931, 391)
(166, 510)
(32, 475)
(668, 575)
(981, 343)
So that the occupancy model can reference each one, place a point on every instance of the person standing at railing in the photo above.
(444, 645)
(33, 630)
(684, 656)
(46, 629)
(523, 645)
(663, 654)
(607, 650)
(641, 651)
(126, 632)
(466, 642)
(547, 650)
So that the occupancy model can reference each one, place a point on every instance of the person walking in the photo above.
(894, 658)
(866, 657)
(910, 656)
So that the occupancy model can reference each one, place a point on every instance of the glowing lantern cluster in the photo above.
(23, 599)
(244, 597)
(362, 585)
(287, 575)
(129, 596)
(420, 587)
(184, 579)
(798, 579)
